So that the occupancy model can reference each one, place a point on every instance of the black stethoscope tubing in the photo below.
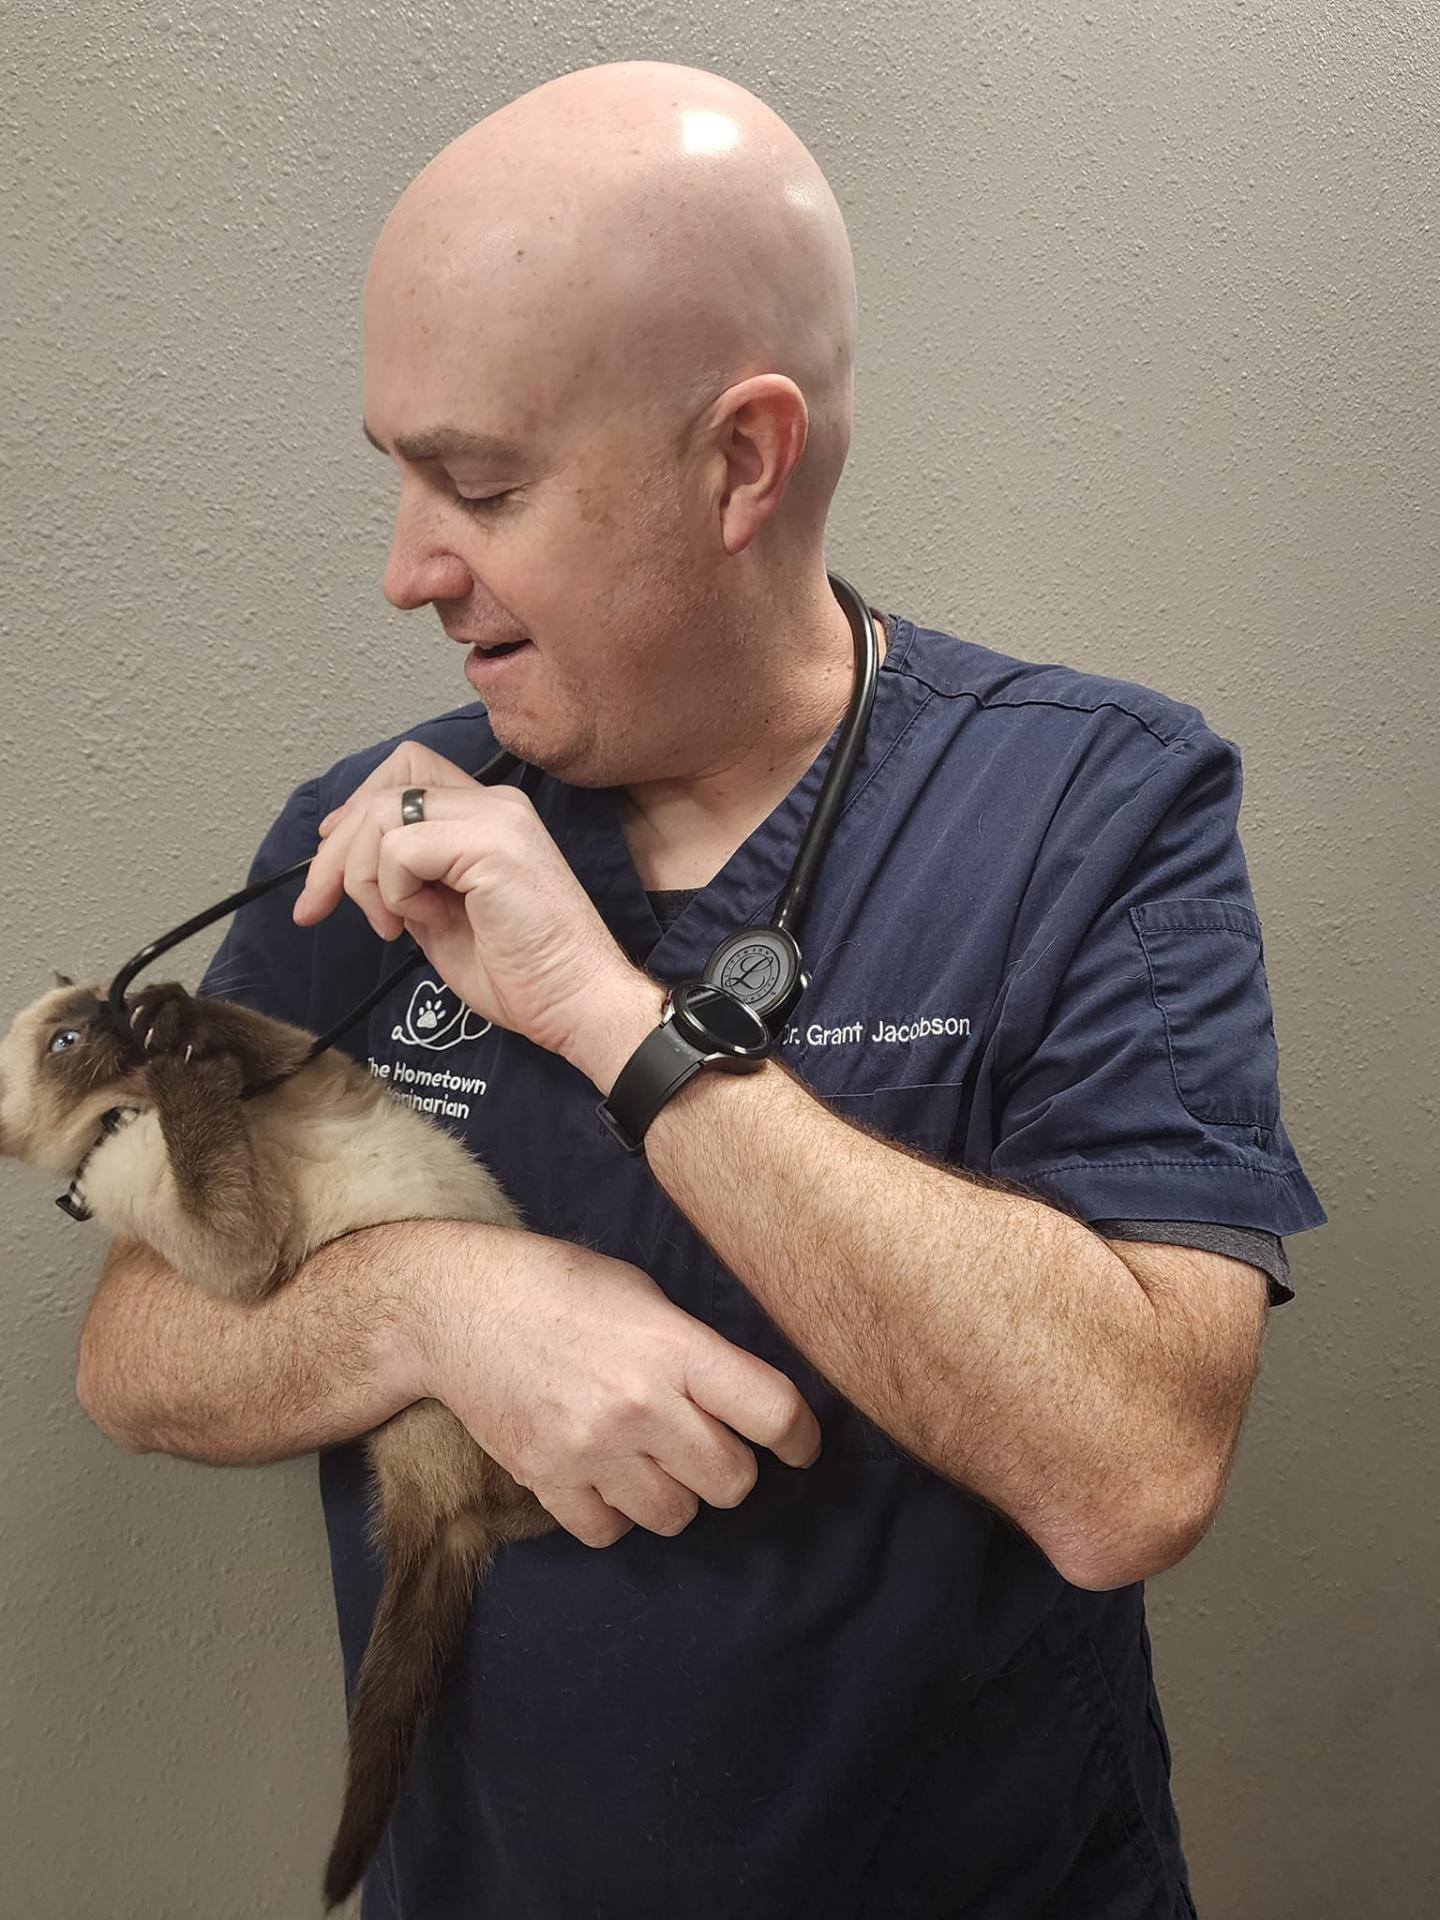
(789, 909)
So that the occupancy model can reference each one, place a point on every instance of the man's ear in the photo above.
(765, 427)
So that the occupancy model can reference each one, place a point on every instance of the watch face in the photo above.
(706, 1016)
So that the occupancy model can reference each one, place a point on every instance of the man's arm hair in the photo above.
(166, 1368)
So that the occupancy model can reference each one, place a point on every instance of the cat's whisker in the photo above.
(223, 986)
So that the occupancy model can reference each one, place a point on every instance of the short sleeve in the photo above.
(1138, 1074)
(1263, 1250)
(265, 961)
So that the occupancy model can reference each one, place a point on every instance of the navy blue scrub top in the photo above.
(862, 1694)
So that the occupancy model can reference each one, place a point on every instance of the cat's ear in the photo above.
(63, 980)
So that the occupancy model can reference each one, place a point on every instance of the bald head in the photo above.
(638, 275)
(636, 234)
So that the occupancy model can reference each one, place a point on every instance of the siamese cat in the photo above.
(234, 1194)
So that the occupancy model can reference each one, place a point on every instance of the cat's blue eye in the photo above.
(66, 1037)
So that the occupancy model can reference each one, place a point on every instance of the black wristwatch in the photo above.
(701, 1025)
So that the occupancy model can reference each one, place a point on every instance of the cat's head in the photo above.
(61, 1067)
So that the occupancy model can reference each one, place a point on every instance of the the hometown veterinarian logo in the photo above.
(438, 1018)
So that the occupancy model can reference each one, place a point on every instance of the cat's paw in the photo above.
(168, 1020)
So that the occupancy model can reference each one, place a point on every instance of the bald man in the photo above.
(869, 1391)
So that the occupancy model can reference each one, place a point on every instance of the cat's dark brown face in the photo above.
(61, 1067)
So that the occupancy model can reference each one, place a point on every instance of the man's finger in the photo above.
(637, 1486)
(410, 765)
(428, 853)
(583, 1513)
(753, 1398)
(701, 1452)
(325, 876)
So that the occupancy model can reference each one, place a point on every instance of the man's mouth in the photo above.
(485, 665)
(499, 652)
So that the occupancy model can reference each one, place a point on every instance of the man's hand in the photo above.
(482, 888)
(572, 1369)
(599, 1394)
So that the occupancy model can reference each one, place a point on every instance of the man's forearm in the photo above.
(167, 1368)
(995, 1338)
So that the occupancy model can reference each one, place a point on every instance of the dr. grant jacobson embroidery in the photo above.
(886, 1032)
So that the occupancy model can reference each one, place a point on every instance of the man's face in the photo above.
(580, 537)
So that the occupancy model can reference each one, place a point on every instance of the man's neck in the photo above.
(681, 832)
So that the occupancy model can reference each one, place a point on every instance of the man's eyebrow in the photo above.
(452, 443)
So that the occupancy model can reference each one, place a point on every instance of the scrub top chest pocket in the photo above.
(901, 1073)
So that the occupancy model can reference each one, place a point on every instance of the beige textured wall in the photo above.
(1148, 383)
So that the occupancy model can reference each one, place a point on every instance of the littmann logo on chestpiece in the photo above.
(438, 1018)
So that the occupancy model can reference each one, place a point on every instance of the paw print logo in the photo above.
(438, 1018)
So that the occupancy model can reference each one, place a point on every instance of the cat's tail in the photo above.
(423, 1607)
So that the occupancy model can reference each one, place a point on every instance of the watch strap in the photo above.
(658, 1068)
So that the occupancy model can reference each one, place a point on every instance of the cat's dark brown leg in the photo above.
(236, 1220)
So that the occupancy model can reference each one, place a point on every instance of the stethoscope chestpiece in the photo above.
(761, 967)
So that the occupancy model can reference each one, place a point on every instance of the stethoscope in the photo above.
(759, 965)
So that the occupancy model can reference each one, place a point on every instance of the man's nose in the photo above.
(420, 567)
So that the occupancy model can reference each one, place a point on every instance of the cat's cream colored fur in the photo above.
(234, 1194)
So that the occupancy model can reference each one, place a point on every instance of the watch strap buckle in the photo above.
(616, 1131)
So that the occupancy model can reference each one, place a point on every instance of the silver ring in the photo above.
(412, 806)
